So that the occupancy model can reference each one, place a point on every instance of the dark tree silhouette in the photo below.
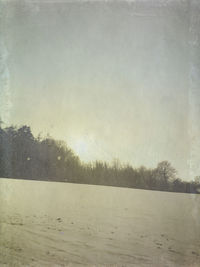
(26, 157)
(165, 174)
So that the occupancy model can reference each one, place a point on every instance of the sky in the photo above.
(112, 79)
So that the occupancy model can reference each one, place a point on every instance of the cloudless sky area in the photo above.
(109, 78)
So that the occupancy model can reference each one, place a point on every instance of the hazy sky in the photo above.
(109, 78)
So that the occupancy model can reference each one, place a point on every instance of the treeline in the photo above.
(24, 156)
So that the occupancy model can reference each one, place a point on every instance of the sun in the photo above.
(81, 148)
(85, 147)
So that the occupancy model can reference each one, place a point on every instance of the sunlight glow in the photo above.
(81, 148)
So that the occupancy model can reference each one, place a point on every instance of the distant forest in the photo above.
(23, 156)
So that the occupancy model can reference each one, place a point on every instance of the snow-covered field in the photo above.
(62, 224)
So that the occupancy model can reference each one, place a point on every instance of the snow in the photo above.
(63, 224)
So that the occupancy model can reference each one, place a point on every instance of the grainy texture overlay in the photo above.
(118, 82)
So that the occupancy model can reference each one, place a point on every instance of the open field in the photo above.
(63, 224)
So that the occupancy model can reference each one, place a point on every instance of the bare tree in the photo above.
(166, 171)
(165, 174)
